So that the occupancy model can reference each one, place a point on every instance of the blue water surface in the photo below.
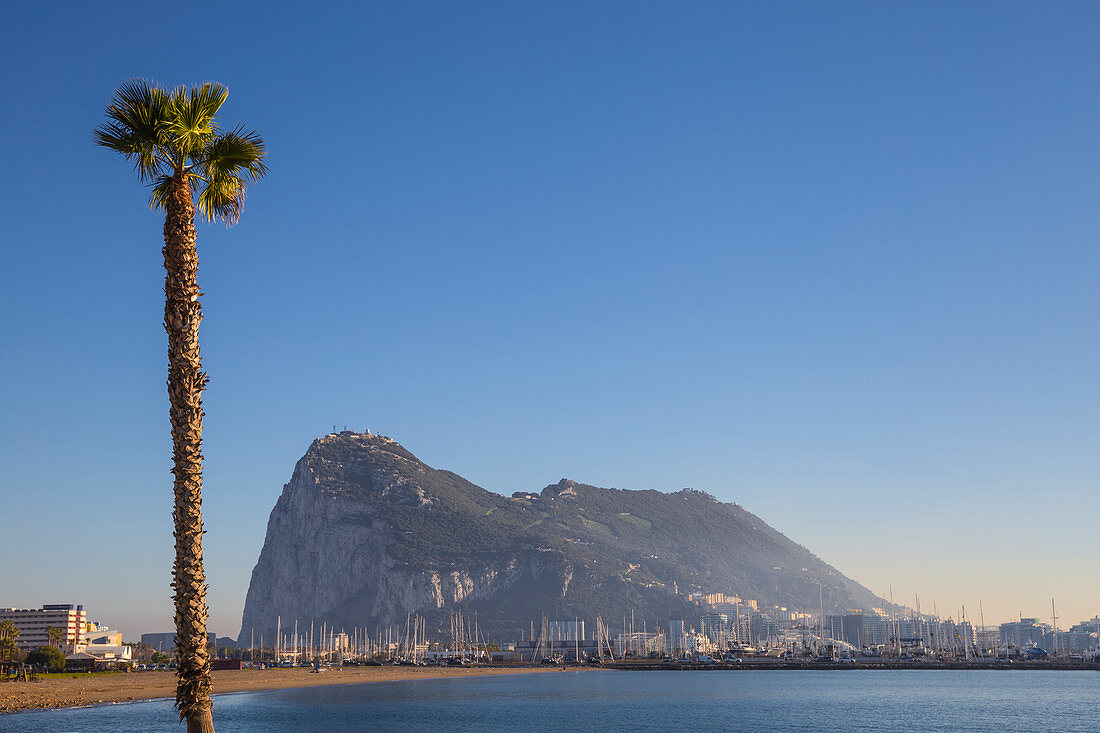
(851, 700)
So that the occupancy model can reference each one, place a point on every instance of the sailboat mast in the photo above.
(577, 640)
(1053, 628)
(981, 616)
(820, 617)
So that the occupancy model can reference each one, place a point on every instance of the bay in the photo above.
(781, 701)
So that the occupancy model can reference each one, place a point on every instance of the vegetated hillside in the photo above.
(366, 533)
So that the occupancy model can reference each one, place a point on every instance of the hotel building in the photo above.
(33, 624)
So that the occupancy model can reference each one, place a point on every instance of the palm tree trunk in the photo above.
(186, 381)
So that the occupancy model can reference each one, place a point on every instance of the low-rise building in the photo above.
(99, 655)
(95, 633)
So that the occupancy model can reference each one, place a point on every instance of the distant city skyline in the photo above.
(835, 263)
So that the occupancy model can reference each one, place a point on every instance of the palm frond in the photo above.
(209, 98)
(238, 152)
(116, 137)
(222, 198)
(137, 106)
(229, 161)
(135, 126)
(191, 116)
(159, 193)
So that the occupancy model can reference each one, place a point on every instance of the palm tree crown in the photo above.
(173, 135)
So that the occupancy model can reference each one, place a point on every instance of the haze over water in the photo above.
(779, 702)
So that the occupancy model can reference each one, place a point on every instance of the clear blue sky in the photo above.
(837, 262)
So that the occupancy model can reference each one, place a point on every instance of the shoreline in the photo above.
(750, 664)
(82, 690)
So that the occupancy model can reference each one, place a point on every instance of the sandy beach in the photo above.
(83, 689)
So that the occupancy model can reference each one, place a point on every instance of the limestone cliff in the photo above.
(365, 533)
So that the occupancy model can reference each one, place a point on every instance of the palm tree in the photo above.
(56, 636)
(178, 149)
(8, 634)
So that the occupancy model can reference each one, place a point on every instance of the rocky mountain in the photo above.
(365, 533)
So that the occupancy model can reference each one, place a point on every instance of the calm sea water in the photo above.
(777, 701)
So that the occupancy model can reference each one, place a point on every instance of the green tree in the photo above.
(52, 658)
(190, 163)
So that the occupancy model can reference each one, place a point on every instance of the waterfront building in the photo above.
(762, 627)
(834, 627)
(1073, 641)
(1091, 626)
(945, 636)
(865, 629)
(1024, 633)
(696, 643)
(876, 629)
(34, 624)
(566, 630)
(861, 629)
(852, 630)
(739, 627)
(715, 626)
(533, 651)
(640, 644)
(910, 633)
(967, 635)
(677, 638)
(988, 638)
